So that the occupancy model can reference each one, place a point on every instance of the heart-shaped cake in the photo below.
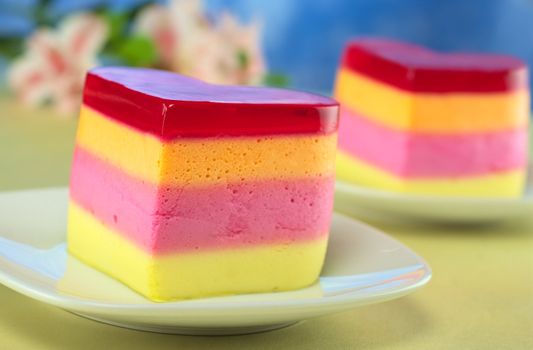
(414, 120)
(183, 189)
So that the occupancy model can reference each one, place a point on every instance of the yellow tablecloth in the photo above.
(481, 296)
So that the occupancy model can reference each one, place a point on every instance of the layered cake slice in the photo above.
(182, 189)
(417, 121)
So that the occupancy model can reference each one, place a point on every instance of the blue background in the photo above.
(304, 38)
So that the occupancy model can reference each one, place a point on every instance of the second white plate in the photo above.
(355, 200)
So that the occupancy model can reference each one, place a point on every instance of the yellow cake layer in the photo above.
(431, 112)
(205, 160)
(505, 184)
(193, 274)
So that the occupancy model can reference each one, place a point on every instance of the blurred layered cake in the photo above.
(182, 189)
(417, 121)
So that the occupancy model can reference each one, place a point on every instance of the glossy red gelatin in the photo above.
(414, 68)
(169, 105)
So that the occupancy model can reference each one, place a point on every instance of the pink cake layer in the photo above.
(409, 154)
(219, 215)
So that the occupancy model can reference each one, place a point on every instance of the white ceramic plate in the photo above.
(366, 202)
(363, 266)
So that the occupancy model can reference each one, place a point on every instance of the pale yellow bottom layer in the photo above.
(193, 274)
(508, 184)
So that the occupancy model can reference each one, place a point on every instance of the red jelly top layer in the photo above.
(414, 68)
(169, 105)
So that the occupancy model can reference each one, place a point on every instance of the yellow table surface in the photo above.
(481, 295)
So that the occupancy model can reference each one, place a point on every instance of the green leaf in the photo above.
(243, 59)
(11, 47)
(117, 23)
(276, 80)
(137, 51)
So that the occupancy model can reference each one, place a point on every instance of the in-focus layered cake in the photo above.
(182, 189)
(413, 120)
